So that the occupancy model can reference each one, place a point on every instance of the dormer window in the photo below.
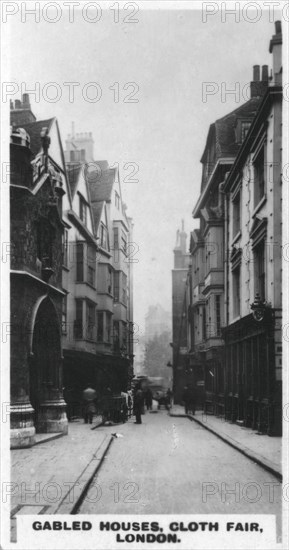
(83, 210)
(103, 237)
(245, 126)
(241, 130)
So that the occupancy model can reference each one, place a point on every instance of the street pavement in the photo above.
(261, 448)
(171, 465)
(50, 478)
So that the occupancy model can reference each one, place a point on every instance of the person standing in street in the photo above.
(129, 403)
(192, 400)
(169, 397)
(89, 397)
(138, 405)
(149, 399)
(186, 399)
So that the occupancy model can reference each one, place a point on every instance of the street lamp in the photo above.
(259, 308)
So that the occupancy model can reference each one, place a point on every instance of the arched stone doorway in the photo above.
(45, 371)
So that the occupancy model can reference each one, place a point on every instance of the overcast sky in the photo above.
(168, 54)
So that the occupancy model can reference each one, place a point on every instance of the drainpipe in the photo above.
(226, 251)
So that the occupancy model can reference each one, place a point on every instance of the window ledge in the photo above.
(237, 237)
(259, 205)
(85, 283)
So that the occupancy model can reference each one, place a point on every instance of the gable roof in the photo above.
(34, 131)
(96, 213)
(100, 181)
(73, 171)
(223, 129)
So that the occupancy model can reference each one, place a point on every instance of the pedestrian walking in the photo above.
(186, 399)
(169, 396)
(138, 406)
(148, 399)
(129, 403)
(192, 400)
(89, 397)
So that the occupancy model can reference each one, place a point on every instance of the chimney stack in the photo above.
(21, 114)
(25, 101)
(256, 73)
(258, 87)
(275, 48)
(265, 77)
(278, 27)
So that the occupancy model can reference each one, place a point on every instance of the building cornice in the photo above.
(24, 273)
(202, 198)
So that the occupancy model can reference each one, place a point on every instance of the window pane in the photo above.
(116, 343)
(116, 286)
(90, 310)
(109, 280)
(124, 289)
(260, 270)
(64, 314)
(78, 324)
(236, 291)
(91, 266)
(65, 248)
(103, 236)
(100, 326)
(108, 327)
(79, 261)
(83, 210)
(115, 238)
(204, 323)
(124, 336)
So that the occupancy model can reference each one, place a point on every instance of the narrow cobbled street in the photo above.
(171, 465)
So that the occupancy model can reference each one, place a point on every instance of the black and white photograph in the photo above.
(144, 275)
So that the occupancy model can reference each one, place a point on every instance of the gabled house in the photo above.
(114, 310)
(97, 201)
(208, 244)
(80, 285)
(253, 340)
(37, 186)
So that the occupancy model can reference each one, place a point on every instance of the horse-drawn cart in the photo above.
(112, 409)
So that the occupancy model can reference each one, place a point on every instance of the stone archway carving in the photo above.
(45, 365)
